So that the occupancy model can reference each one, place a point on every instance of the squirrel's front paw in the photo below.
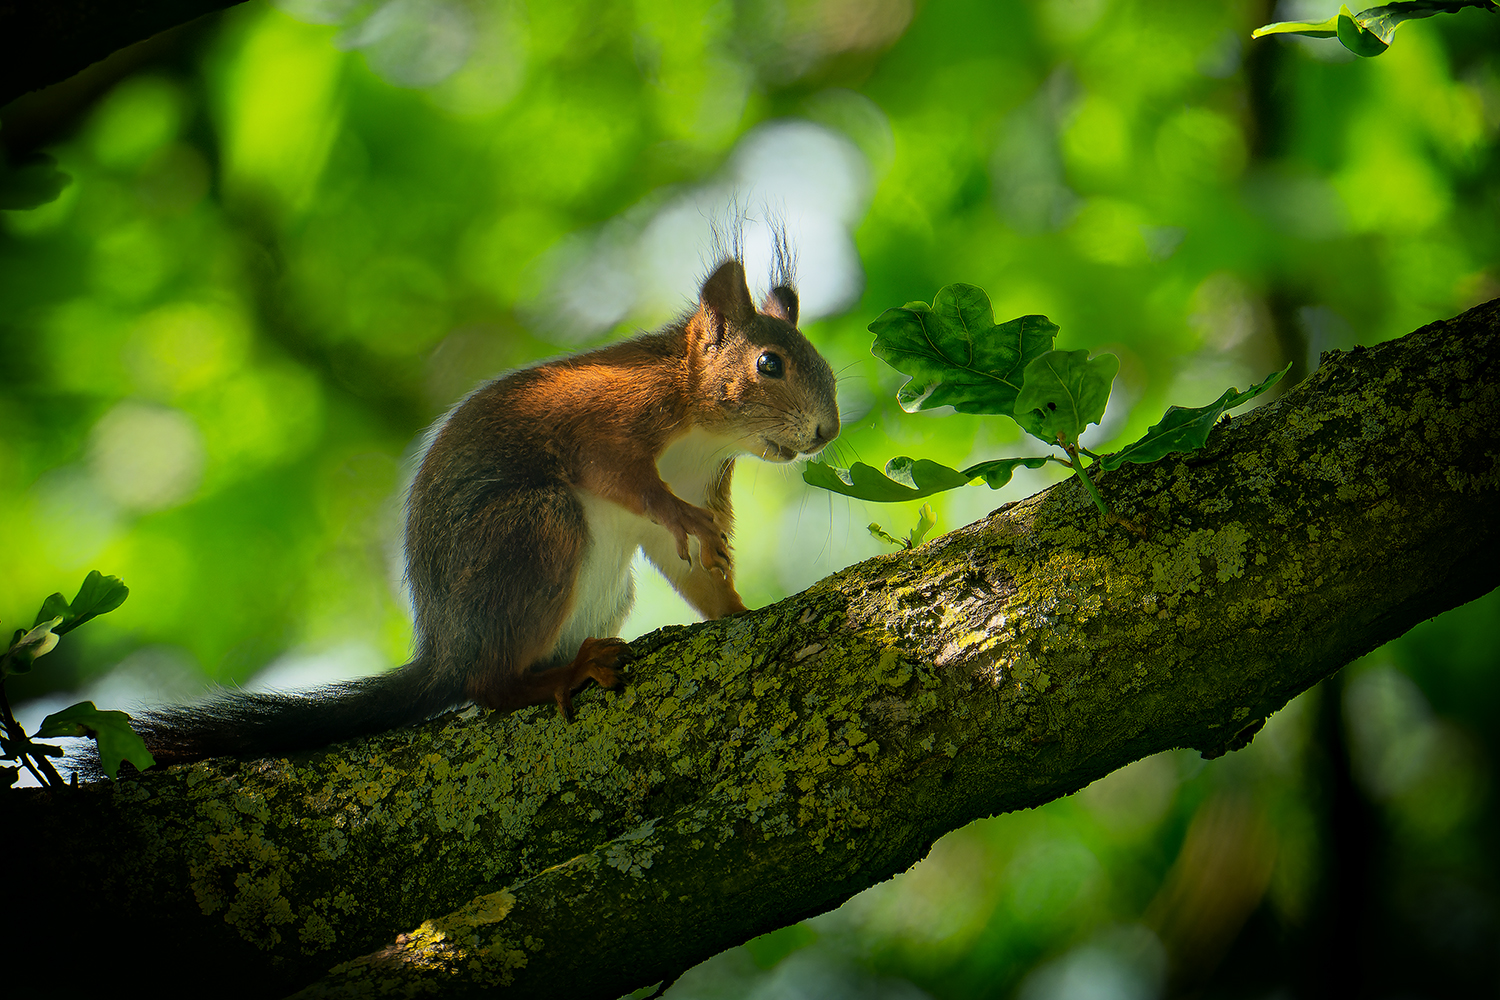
(713, 542)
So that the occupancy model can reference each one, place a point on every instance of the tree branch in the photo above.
(768, 767)
(44, 41)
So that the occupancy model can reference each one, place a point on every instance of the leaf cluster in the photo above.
(116, 740)
(955, 354)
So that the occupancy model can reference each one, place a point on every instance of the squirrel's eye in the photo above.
(770, 365)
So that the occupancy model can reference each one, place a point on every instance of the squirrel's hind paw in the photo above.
(598, 660)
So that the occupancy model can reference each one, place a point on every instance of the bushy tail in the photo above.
(245, 725)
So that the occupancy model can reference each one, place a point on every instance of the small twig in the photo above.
(21, 745)
(41, 778)
(54, 780)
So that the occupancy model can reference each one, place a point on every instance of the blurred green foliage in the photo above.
(293, 241)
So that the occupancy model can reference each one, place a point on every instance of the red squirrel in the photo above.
(529, 506)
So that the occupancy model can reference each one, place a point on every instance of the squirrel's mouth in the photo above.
(774, 452)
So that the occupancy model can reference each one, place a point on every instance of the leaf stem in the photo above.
(1088, 483)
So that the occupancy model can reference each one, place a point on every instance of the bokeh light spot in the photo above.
(186, 346)
(138, 117)
(146, 457)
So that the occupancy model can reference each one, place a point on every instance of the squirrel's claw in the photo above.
(598, 660)
(689, 522)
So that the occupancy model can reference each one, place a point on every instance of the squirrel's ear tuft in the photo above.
(724, 301)
(781, 302)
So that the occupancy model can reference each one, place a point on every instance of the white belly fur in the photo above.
(606, 590)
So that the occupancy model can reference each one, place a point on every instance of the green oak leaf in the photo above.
(925, 521)
(881, 535)
(99, 595)
(1186, 428)
(1064, 392)
(997, 473)
(55, 606)
(1358, 38)
(38, 642)
(1378, 24)
(910, 479)
(1312, 29)
(111, 730)
(955, 353)
(1369, 32)
(903, 479)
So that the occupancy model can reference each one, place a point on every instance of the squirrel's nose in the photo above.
(826, 433)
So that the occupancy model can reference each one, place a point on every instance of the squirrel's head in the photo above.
(758, 378)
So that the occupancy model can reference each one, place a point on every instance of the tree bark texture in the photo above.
(765, 768)
(45, 41)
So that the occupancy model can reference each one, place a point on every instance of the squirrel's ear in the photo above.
(781, 302)
(724, 301)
